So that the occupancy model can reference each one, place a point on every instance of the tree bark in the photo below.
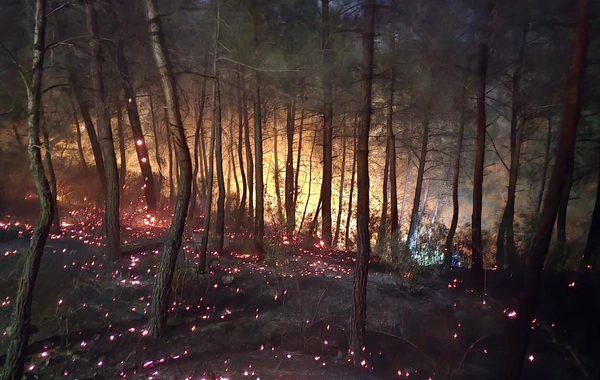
(505, 242)
(449, 250)
(196, 164)
(290, 209)
(105, 137)
(359, 286)
(328, 59)
(477, 274)
(19, 329)
(391, 147)
(79, 145)
(519, 331)
(155, 131)
(544, 168)
(136, 129)
(411, 239)
(166, 267)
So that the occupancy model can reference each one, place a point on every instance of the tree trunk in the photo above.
(259, 220)
(155, 131)
(121, 134)
(220, 222)
(359, 285)
(248, 146)
(19, 329)
(209, 197)
(449, 250)
(313, 224)
(404, 194)
(391, 148)
(196, 164)
(328, 59)
(299, 154)
(338, 220)
(591, 255)
(290, 209)
(79, 145)
(89, 127)
(561, 221)
(350, 196)
(310, 172)
(384, 202)
(519, 331)
(232, 166)
(277, 169)
(477, 274)
(55, 229)
(505, 243)
(240, 146)
(411, 239)
(166, 266)
(171, 169)
(544, 168)
(111, 214)
(136, 129)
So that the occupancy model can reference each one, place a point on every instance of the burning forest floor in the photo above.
(283, 319)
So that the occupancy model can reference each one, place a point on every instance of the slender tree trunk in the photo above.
(328, 58)
(155, 131)
(519, 332)
(455, 178)
(220, 222)
(277, 169)
(19, 329)
(544, 168)
(561, 220)
(391, 148)
(299, 153)
(209, 197)
(121, 134)
(248, 146)
(166, 266)
(111, 214)
(338, 220)
(359, 285)
(505, 244)
(405, 193)
(310, 172)
(55, 229)
(79, 144)
(411, 239)
(477, 274)
(136, 128)
(384, 203)
(232, 165)
(171, 168)
(350, 196)
(240, 146)
(89, 127)
(259, 220)
(290, 209)
(196, 165)
(313, 224)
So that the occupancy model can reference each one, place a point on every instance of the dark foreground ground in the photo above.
(283, 319)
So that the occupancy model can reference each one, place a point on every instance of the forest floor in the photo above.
(249, 320)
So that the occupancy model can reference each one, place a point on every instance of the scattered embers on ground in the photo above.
(249, 320)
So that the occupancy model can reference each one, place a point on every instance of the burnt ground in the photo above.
(285, 318)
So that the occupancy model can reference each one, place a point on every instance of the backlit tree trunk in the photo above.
(477, 274)
(248, 148)
(290, 209)
(166, 267)
(19, 327)
(299, 153)
(328, 58)
(105, 137)
(359, 285)
(540, 197)
(136, 128)
(591, 255)
(240, 146)
(276, 168)
(351, 194)
(78, 131)
(121, 135)
(391, 148)
(338, 220)
(55, 229)
(209, 197)
(156, 132)
(455, 178)
(519, 331)
(196, 163)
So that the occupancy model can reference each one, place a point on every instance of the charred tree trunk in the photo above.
(328, 58)
(55, 229)
(477, 274)
(359, 285)
(248, 149)
(310, 171)
(505, 243)
(414, 217)
(240, 147)
(384, 202)
(171, 168)
(290, 209)
(155, 131)
(79, 145)
(121, 134)
(299, 153)
(136, 129)
(391, 149)
(209, 197)
(19, 328)
(166, 266)
(89, 127)
(220, 222)
(105, 137)
(338, 220)
(277, 169)
(519, 332)
(449, 250)
(544, 168)
(350, 196)
(196, 164)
